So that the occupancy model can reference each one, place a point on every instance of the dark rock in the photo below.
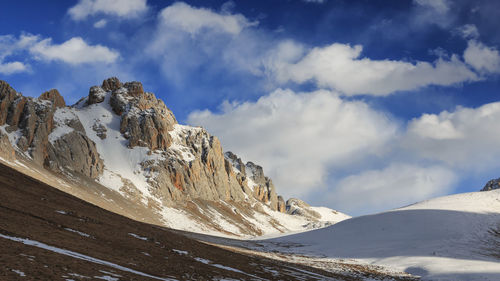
(491, 185)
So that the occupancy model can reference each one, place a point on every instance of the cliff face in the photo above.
(44, 130)
(129, 141)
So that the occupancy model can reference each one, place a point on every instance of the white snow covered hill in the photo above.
(455, 237)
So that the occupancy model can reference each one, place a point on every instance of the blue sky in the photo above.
(361, 106)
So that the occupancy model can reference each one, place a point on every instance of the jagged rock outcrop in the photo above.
(33, 119)
(145, 120)
(262, 187)
(296, 206)
(55, 97)
(491, 185)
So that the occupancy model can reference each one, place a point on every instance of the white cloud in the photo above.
(12, 67)
(339, 67)
(440, 6)
(469, 31)
(120, 8)
(193, 20)
(74, 51)
(394, 186)
(483, 58)
(101, 23)
(297, 136)
(467, 138)
(10, 45)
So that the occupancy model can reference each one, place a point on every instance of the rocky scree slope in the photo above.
(126, 140)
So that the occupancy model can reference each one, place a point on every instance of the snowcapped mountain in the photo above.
(122, 149)
(449, 238)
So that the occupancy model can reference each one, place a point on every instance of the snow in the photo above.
(202, 260)
(61, 118)
(178, 134)
(138, 236)
(77, 232)
(180, 252)
(19, 272)
(107, 278)
(14, 136)
(440, 239)
(79, 256)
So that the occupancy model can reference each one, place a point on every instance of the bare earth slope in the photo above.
(46, 234)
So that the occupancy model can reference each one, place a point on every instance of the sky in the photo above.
(360, 106)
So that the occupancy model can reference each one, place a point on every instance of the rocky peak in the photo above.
(256, 173)
(134, 88)
(55, 97)
(145, 120)
(111, 84)
(491, 185)
(235, 162)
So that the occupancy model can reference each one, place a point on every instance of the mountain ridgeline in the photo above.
(127, 141)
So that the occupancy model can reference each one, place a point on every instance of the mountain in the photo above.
(455, 237)
(122, 149)
(46, 234)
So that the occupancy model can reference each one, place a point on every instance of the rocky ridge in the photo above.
(492, 185)
(129, 141)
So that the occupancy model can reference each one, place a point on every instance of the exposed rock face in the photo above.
(145, 120)
(296, 206)
(33, 118)
(253, 176)
(54, 96)
(6, 150)
(491, 185)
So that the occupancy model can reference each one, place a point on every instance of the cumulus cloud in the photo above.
(466, 138)
(340, 67)
(8, 46)
(297, 136)
(318, 142)
(74, 51)
(119, 8)
(482, 58)
(394, 186)
(12, 67)
(188, 40)
(193, 20)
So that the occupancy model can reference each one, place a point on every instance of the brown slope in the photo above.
(32, 210)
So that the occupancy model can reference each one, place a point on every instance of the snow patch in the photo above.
(138, 236)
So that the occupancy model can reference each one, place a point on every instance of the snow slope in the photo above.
(447, 238)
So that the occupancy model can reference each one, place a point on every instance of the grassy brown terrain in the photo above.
(30, 209)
